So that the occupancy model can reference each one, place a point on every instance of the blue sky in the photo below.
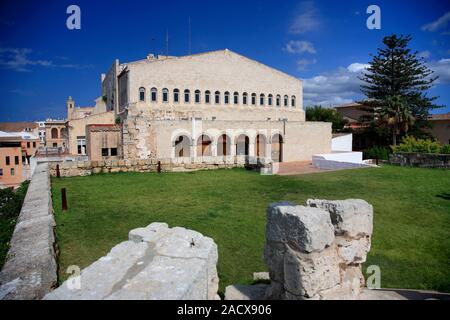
(325, 43)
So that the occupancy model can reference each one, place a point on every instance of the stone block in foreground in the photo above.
(156, 263)
(316, 251)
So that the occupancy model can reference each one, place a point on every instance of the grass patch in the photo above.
(411, 242)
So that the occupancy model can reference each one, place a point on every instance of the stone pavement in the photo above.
(297, 167)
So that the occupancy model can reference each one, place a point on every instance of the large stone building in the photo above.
(211, 104)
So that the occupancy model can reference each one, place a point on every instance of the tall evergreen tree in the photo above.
(398, 71)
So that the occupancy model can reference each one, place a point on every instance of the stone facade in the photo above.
(156, 263)
(85, 168)
(316, 251)
(104, 142)
(167, 101)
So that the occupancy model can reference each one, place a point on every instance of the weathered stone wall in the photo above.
(424, 160)
(156, 263)
(30, 270)
(85, 168)
(316, 251)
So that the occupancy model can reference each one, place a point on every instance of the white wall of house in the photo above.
(342, 143)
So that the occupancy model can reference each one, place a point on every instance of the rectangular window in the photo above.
(28, 145)
(23, 159)
(34, 144)
(12, 171)
(1, 172)
(176, 96)
(113, 151)
(16, 160)
(7, 160)
(197, 97)
(207, 98)
(104, 152)
(244, 99)
(55, 144)
(165, 96)
(81, 145)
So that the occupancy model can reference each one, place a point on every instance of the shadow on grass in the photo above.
(445, 196)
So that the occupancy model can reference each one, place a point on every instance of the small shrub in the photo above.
(445, 149)
(411, 144)
(377, 153)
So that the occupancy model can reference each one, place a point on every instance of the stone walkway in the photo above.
(297, 167)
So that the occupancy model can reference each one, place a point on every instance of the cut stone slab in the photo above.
(246, 292)
(353, 217)
(157, 263)
(309, 229)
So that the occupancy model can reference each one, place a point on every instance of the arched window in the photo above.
(63, 133)
(253, 98)
(217, 97)
(54, 133)
(207, 96)
(261, 99)
(293, 101)
(236, 98)
(187, 96)
(278, 100)
(141, 94)
(227, 97)
(197, 96)
(165, 93)
(244, 98)
(286, 101)
(154, 93)
(270, 100)
(176, 95)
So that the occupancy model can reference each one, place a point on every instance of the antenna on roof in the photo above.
(189, 36)
(167, 41)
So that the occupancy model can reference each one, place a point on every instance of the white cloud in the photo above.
(306, 20)
(357, 67)
(441, 68)
(343, 86)
(438, 24)
(18, 59)
(425, 54)
(299, 47)
(333, 88)
(303, 63)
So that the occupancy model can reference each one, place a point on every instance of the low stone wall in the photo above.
(30, 270)
(424, 160)
(316, 251)
(85, 168)
(156, 263)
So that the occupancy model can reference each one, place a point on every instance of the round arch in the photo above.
(182, 146)
(277, 148)
(224, 145)
(204, 145)
(242, 145)
(260, 145)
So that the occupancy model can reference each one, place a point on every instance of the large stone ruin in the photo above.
(316, 251)
(156, 263)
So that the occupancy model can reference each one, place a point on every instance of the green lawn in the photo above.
(411, 241)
